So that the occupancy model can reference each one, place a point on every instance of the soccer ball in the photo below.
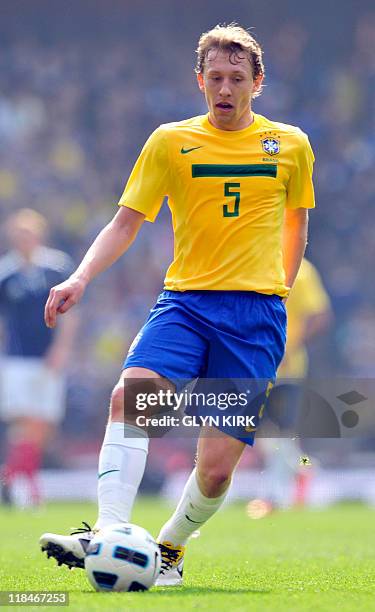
(122, 557)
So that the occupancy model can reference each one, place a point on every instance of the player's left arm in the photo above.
(59, 352)
(300, 198)
(296, 222)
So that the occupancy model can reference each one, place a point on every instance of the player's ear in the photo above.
(200, 81)
(257, 83)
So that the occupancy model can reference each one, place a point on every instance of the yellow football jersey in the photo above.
(226, 191)
(307, 298)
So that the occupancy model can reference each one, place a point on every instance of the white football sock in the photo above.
(193, 510)
(122, 462)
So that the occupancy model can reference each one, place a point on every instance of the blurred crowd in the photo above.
(74, 113)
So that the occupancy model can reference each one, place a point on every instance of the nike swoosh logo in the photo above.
(107, 472)
(183, 151)
(191, 520)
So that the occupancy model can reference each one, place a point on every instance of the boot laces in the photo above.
(79, 530)
(169, 556)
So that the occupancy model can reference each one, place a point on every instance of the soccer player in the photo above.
(32, 381)
(309, 315)
(239, 187)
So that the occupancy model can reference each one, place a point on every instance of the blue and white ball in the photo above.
(122, 557)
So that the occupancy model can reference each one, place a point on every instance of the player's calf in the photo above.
(214, 481)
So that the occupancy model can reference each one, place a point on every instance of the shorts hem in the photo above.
(148, 365)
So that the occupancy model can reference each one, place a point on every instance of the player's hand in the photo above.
(61, 298)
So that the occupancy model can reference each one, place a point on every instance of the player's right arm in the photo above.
(142, 199)
(114, 239)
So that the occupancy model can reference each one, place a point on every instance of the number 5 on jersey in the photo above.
(228, 211)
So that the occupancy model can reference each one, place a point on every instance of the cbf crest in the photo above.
(270, 145)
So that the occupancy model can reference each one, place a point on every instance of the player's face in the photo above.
(228, 89)
(23, 239)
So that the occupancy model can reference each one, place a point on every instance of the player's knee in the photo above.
(117, 402)
(124, 400)
(214, 480)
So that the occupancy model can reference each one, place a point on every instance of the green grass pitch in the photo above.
(296, 560)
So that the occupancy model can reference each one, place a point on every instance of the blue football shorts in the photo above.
(219, 338)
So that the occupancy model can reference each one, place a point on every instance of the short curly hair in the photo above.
(234, 39)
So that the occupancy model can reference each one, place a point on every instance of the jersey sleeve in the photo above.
(149, 180)
(300, 189)
(2, 300)
(56, 261)
(67, 266)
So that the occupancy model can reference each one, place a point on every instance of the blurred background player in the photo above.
(309, 315)
(32, 380)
